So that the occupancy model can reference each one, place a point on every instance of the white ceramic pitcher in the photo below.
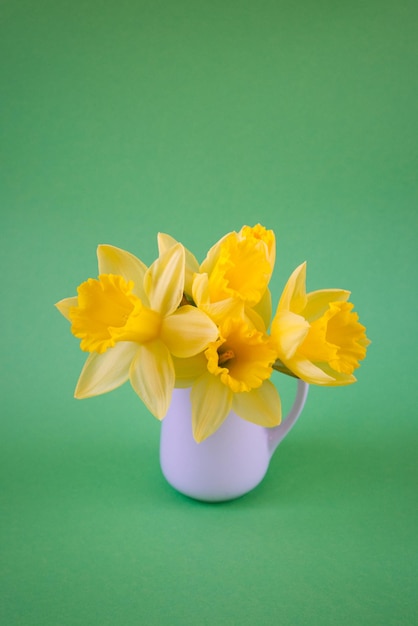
(229, 463)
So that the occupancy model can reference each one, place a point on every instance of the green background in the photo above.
(122, 119)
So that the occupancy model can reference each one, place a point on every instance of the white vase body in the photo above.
(229, 463)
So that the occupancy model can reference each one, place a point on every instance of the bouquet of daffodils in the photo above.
(210, 327)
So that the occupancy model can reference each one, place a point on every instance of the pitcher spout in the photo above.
(277, 434)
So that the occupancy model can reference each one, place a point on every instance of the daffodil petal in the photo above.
(264, 308)
(212, 256)
(228, 308)
(152, 376)
(338, 378)
(188, 331)
(65, 305)
(254, 319)
(164, 280)
(310, 373)
(260, 406)
(211, 403)
(165, 242)
(217, 311)
(200, 289)
(318, 301)
(188, 370)
(288, 330)
(116, 261)
(104, 372)
(293, 297)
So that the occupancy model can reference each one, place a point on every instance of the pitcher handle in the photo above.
(278, 433)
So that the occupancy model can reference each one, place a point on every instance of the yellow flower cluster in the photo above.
(179, 323)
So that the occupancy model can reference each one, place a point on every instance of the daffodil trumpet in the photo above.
(209, 326)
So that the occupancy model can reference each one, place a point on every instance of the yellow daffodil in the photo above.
(131, 322)
(240, 265)
(205, 327)
(233, 279)
(317, 335)
(232, 374)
